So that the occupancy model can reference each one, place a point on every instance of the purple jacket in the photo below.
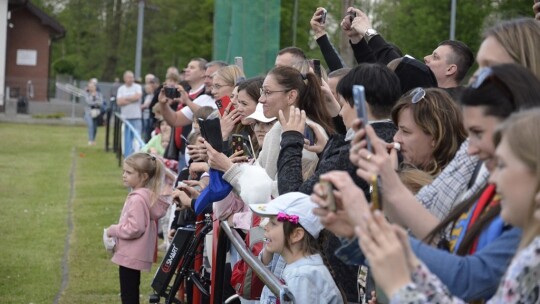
(136, 231)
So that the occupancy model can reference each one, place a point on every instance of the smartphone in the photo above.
(351, 15)
(211, 131)
(359, 96)
(376, 201)
(309, 134)
(237, 144)
(322, 20)
(328, 195)
(317, 68)
(239, 62)
(171, 92)
(222, 104)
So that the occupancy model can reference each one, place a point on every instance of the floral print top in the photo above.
(520, 284)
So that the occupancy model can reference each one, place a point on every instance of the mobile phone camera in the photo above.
(171, 92)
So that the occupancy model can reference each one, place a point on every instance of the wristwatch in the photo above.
(369, 34)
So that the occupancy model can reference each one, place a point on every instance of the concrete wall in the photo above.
(27, 33)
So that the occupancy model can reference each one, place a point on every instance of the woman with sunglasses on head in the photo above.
(516, 176)
(430, 129)
(480, 244)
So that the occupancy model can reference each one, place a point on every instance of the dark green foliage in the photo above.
(101, 34)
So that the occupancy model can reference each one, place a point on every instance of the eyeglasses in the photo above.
(265, 93)
(417, 95)
(219, 86)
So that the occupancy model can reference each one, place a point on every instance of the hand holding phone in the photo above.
(171, 92)
(361, 110)
(352, 15)
(309, 134)
(376, 202)
(222, 104)
(238, 144)
(328, 195)
(323, 14)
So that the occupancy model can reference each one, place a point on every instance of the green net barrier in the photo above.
(249, 29)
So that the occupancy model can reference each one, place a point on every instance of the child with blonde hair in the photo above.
(136, 231)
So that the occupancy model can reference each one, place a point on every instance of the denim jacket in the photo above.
(470, 277)
(309, 281)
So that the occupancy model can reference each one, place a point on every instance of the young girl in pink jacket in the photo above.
(136, 231)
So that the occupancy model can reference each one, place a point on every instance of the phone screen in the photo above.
(359, 96)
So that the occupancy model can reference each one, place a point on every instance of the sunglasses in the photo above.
(417, 95)
(486, 75)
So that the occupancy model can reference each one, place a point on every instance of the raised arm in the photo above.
(175, 119)
(331, 56)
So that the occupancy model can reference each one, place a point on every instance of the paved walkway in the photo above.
(73, 112)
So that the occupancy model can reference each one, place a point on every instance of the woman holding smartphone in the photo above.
(473, 258)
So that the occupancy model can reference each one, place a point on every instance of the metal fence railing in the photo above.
(268, 278)
(224, 231)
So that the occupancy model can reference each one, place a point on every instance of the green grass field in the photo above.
(36, 163)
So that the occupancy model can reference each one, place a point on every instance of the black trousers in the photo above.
(130, 279)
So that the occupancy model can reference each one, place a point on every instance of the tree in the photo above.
(101, 34)
(417, 26)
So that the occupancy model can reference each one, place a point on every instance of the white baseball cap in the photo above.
(293, 204)
(258, 115)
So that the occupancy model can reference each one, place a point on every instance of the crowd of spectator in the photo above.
(434, 198)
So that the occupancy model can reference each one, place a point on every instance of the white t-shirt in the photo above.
(132, 110)
(202, 101)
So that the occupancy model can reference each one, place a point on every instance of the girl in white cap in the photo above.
(295, 233)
